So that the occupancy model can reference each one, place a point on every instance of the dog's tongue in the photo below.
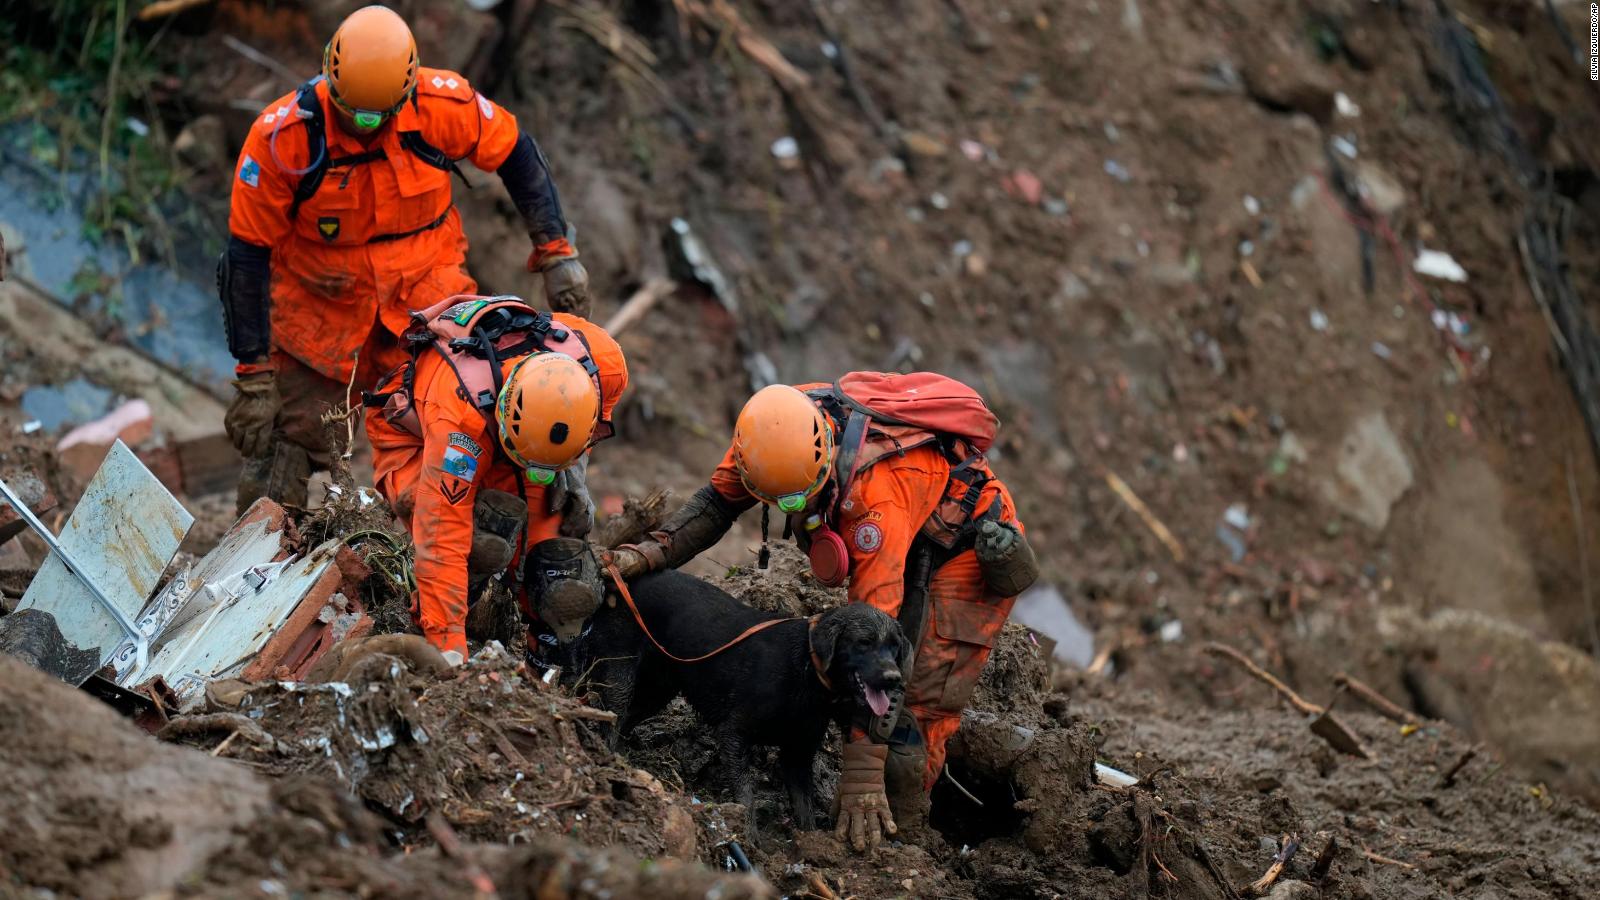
(877, 700)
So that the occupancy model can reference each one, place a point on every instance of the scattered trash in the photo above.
(1025, 186)
(1055, 206)
(1180, 453)
(1118, 171)
(1252, 205)
(1345, 106)
(1247, 248)
(1111, 777)
(1044, 609)
(1172, 632)
(829, 49)
(1438, 264)
(961, 249)
(32, 425)
(975, 151)
(1237, 515)
(1345, 146)
(1112, 134)
(1381, 350)
(786, 148)
(938, 201)
(1319, 320)
(137, 126)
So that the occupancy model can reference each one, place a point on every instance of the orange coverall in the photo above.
(435, 504)
(334, 289)
(887, 504)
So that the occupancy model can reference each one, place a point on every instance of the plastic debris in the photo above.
(938, 200)
(1055, 206)
(1237, 515)
(1111, 777)
(1381, 350)
(1345, 146)
(1439, 264)
(1345, 106)
(1319, 320)
(32, 425)
(786, 147)
(1025, 186)
(961, 249)
(975, 151)
(137, 126)
(1172, 632)
(1118, 171)
(830, 49)
(1252, 205)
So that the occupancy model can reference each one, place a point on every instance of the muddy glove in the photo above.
(569, 497)
(566, 287)
(631, 561)
(1008, 564)
(497, 520)
(251, 415)
(861, 808)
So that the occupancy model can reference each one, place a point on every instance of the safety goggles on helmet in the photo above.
(790, 503)
(366, 119)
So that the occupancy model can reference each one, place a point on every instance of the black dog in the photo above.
(778, 687)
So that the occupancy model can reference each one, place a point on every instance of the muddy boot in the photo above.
(281, 477)
(497, 520)
(562, 577)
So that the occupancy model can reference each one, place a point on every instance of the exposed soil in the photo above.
(1177, 260)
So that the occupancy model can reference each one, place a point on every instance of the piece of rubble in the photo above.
(122, 534)
(1371, 474)
(30, 490)
(82, 450)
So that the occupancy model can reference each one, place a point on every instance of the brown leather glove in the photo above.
(630, 562)
(861, 808)
(251, 415)
(566, 287)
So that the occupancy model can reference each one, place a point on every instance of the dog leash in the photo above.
(627, 597)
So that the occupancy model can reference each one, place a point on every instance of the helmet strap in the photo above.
(765, 556)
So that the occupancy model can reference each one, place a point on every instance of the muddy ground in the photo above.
(1132, 225)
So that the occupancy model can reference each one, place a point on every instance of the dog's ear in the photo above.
(825, 637)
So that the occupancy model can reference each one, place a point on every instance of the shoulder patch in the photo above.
(865, 534)
(457, 439)
(444, 83)
(485, 107)
(250, 171)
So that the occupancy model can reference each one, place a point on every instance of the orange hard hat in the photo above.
(371, 63)
(782, 447)
(547, 412)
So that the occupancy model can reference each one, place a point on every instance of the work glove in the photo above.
(566, 287)
(1005, 558)
(251, 415)
(569, 497)
(630, 562)
(996, 541)
(860, 807)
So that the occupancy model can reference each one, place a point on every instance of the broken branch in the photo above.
(1289, 846)
(1449, 777)
(1303, 706)
(1386, 860)
(191, 726)
(642, 301)
(1155, 525)
(1366, 694)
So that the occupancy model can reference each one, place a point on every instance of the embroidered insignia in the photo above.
(457, 439)
(329, 227)
(454, 492)
(460, 463)
(868, 537)
(250, 171)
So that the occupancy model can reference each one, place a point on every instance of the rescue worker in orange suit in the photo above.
(472, 458)
(342, 222)
(786, 453)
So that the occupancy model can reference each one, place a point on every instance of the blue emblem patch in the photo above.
(250, 171)
(460, 463)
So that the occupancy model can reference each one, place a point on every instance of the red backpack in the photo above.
(884, 413)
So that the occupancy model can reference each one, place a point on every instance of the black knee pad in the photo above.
(562, 577)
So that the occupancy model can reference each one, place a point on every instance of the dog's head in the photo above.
(859, 646)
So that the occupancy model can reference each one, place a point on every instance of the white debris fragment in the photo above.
(31, 426)
(1345, 146)
(1319, 320)
(1109, 776)
(1345, 106)
(1252, 205)
(1439, 264)
(1237, 515)
(1172, 632)
(786, 148)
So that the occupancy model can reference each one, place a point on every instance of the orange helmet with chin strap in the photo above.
(783, 447)
(547, 412)
(371, 65)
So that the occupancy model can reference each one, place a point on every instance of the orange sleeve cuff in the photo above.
(550, 252)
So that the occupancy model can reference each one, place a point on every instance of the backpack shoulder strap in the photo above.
(419, 147)
(316, 145)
